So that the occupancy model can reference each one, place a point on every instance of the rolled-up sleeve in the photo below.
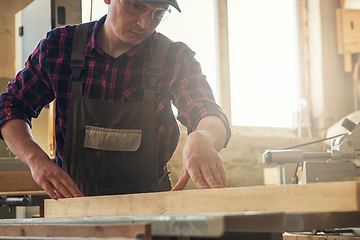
(30, 90)
(191, 92)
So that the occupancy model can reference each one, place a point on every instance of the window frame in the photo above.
(224, 77)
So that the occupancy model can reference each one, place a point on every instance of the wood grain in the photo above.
(52, 140)
(342, 2)
(313, 197)
(318, 237)
(77, 230)
(347, 62)
(339, 31)
(17, 181)
(351, 30)
(18, 193)
(224, 58)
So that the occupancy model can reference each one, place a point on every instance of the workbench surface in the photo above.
(213, 224)
(308, 198)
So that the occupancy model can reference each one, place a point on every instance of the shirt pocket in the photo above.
(112, 139)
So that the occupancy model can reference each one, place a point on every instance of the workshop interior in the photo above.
(297, 181)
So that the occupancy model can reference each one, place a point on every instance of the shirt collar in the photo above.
(146, 48)
(143, 50)
(93, 42)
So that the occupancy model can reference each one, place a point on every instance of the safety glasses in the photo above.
(140, 9)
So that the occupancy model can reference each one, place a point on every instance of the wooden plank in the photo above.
(351, 31)
(314, 197)
(52, 141)
(8, 7)
(352, 46)
(342, 2)
(17, 181)
(318, 237)
(340, 35)
(304, 53)
(347, 62)
(223, 60)
(13, 165)
(77, 230)
(19, 193)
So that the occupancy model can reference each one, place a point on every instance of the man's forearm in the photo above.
(214, 129)
(201, 160)
(53, 179)
(18, 137)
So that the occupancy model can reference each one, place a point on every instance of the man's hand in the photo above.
(54, 180)
(201, 160)
(202, 163)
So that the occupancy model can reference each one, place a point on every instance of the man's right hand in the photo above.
(54, 180)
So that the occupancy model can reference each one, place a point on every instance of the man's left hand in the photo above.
(201, 162)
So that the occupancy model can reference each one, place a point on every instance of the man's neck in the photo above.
(110, 43)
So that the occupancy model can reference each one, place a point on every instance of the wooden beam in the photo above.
(19, 193)
(319, 237)
(342, 3)
(17, 181)
(308, 198)
(223, 59)
(77, 230)
(339, 31)
(12, 7)
(347, 62)
(52, 141)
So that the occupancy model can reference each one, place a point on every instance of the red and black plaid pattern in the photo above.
(47, 73)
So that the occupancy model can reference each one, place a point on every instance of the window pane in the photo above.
(263, 62)
(196, 27)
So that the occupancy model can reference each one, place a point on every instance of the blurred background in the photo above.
(286, 72)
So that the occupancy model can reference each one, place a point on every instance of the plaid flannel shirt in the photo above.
(47, 73)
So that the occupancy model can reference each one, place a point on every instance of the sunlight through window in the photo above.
(263, 62)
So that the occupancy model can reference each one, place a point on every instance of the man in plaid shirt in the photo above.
(119, 146)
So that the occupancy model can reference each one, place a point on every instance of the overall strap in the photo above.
(77, 63)
(155, 68)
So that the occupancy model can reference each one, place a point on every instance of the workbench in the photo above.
(201, 214)
(243, 225)
(17, 187)
(318, 237)
(16, 176)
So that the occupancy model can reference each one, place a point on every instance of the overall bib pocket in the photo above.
(108, 139)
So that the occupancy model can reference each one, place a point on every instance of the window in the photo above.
(263, 62)
(263, 54)
(196, 27)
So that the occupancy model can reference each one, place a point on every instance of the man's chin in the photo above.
(136, 42)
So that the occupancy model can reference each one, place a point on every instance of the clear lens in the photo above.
(137, 8)
(160, 15)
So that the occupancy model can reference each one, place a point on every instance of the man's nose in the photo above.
(145, 20)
